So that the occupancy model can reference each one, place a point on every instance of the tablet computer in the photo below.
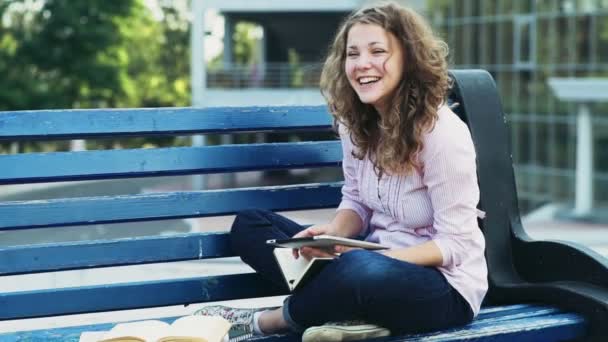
(324, 241)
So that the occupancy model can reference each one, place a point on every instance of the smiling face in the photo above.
(374, 64)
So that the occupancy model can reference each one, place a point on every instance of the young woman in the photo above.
(410, 183)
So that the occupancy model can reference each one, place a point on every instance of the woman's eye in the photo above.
(378, 51)
(352, 54)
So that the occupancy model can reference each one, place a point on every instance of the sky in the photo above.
(214, 26)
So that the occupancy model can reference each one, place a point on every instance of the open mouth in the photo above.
(368, 80)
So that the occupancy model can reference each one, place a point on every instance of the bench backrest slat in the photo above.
(131, 208)
(121, 252)
(90, 123)
(133, 295)
(69, 166)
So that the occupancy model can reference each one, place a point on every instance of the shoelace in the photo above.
(241, 338)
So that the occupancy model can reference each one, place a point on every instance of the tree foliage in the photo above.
(92, 54)
(83, 54)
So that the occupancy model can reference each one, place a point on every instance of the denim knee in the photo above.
(354, 257)
(365, 271)
(359, 270)
(361, 263)
(247, 219)
(241, 230)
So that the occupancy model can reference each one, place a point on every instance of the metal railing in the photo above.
(265, 75)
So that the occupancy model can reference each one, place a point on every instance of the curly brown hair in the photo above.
(392, 139)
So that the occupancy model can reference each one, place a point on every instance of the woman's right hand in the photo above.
(311, 252)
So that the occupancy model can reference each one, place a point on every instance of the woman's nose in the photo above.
(364, 62)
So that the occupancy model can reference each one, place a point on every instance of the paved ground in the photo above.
(546, 224)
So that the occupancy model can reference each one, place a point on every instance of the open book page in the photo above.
(145, 331)
(187, 328)
(205, 328)
(298, 271)
(92, 336)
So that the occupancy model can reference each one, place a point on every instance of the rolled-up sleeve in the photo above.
(450, 176)
(350, 189)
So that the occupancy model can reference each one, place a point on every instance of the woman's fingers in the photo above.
(310, 252)
(306, 233)
(303, 233)
(317, 229)
(339, 249)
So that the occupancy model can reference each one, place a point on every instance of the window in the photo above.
(546, 5)
(525, 41)
(490, 43)
(584, 34)
(506, 42)
(602, 37)
(488, 8)
(563, 46)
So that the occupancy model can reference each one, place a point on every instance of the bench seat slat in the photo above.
(516, 313)
(69, 166)
(108, 209)
(132, 251)
(50, 302)
(554, 326)
(90, 123)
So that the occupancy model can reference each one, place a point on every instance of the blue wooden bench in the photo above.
(539, 290)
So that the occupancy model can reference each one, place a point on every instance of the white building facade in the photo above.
(292, 40)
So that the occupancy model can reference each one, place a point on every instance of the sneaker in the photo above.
(241, 320)
(344, 331)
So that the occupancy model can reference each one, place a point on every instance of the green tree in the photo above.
(67, 54)
(169, 84)
(62, 50)
(244, 43)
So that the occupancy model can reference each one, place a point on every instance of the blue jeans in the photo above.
(360, 284)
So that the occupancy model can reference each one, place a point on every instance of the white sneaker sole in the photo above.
(343, 333)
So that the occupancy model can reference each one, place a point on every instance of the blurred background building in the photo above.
(154, 53)
(270, 49)
(523, 44)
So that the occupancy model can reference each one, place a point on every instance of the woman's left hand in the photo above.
(311, 252)
(340, 249)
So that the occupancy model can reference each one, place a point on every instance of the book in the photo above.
(298, 271)
(324, 241)
(183, 329)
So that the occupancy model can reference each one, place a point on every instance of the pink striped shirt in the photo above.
(437, 202)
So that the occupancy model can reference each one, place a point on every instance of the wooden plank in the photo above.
(92, 123)
(557, 326)
(497, 313)
(132, 251)
(68, 166)
(51, 302)
(145, 207)
(70, 334)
